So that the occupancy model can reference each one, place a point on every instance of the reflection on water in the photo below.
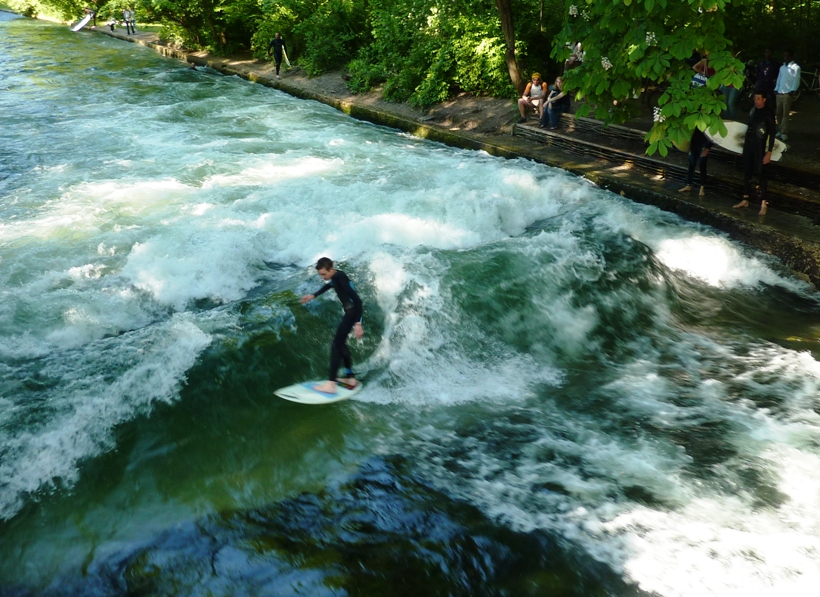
(566, 393)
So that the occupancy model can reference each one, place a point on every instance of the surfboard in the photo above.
(304, 393)
(82, 23)
(285, 56)
(735, 134)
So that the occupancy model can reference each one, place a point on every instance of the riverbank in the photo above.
(486, 124)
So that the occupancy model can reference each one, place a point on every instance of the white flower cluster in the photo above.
(586, 15)
(606, 63)
(573, 11)
(650, 38)
(657, 116)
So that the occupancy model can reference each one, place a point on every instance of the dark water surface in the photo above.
(567, 394)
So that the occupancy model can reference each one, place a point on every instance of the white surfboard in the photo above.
(736, 133)
(305, 394)
(82, 23)
(285, 56)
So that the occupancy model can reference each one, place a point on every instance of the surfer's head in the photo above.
(760, 101)
(324, 267)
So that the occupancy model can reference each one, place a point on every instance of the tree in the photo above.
(505, 14)
(630, 43)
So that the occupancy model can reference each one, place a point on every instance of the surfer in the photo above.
(352, 320)
(757, 151)
(278, 45)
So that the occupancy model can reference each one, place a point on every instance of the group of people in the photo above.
(549, 101)
(127, 19)
(768, 120)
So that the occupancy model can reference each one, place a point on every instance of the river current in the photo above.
(566, 393)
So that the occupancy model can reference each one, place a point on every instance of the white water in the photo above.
(135, 219)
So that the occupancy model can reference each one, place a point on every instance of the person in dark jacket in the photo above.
(767, 71)
(557, 102)
(757, 151)
(279, 49)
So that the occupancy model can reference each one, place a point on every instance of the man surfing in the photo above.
(352, 320)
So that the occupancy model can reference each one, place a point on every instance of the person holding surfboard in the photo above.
(352, 320)
(757, 151)
(279, 50)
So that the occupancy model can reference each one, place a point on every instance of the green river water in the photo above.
(566, 393)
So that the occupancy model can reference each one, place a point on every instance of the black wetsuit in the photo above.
(759, 140)
(698, 143)
(352, 305)
(278, 45)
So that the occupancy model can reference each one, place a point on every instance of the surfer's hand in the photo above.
(307, 298)
(767, 158)
(358, 331)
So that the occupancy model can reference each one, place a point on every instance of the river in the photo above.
(566, 393)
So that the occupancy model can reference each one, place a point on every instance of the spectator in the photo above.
(127, 17)
(111, 23)
(699, 148)
(757, 151)
(533, 97)
(557, 102)
(702, 72)
(788, 81)
(278, 45)
(767, 78)
(576, 58)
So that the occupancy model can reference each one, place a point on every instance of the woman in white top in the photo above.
(533, 97)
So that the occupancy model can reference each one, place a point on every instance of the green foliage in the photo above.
(426, 50)
(631, 42)
(332, 34)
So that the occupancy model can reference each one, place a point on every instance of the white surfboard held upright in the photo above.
(82, 23)
(304, 393)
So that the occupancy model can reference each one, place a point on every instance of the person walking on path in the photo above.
(757, 151)
(534, 94)
(557, 102)
(352, 320)
(699, 148)
(279, 48)
(788, 81)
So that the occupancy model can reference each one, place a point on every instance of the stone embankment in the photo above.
(486, 124)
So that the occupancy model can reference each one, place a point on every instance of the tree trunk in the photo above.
(505, 12)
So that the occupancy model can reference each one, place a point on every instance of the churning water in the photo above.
(566, 393)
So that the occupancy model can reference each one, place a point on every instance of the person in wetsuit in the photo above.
(699, 148)
(352, 320)
(757, 151)
(278, 45)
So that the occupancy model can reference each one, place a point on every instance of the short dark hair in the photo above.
(324, 263)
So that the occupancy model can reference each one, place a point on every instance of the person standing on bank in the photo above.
(557, 102)
(127, 17)
(278, 45)
(767, 71)
(788, 81)
(352, 320)
(757, 151)
(699, 148)
(534, 94)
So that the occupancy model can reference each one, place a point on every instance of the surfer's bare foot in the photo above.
(685, 189)
(744, 203)
(350, 382)
(329, 387)
(702, 192)
(764, 207)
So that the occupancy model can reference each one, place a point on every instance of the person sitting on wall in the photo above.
(533, 97)
(557, 102)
